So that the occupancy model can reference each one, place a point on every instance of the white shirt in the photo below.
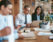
(7, 21)
(3, 22)
(20, 19)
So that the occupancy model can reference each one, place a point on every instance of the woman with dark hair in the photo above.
(38, 14)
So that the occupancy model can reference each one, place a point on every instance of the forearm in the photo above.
(18, 26)
(2, 33)
(6, 31)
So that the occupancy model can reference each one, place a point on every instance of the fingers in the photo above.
(6, 31)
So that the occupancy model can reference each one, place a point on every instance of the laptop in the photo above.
(36, 23)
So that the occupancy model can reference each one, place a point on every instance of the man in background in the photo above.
(23, 19)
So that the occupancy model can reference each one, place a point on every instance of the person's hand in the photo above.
(19, 26)
(6, 31)
(28, 25)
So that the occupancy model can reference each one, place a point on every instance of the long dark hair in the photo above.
(42, 11)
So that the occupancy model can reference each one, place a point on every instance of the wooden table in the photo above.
(38, 39)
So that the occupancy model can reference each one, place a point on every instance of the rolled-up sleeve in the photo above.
(17, 20)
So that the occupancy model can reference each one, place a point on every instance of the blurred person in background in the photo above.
(23, 19)
(38, 14)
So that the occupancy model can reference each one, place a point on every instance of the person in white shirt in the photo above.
(3, 31)
(6, 9)
(6, 30)
(23, 19)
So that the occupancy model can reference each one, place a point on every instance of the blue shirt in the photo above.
(38, 17)
(1, 40)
